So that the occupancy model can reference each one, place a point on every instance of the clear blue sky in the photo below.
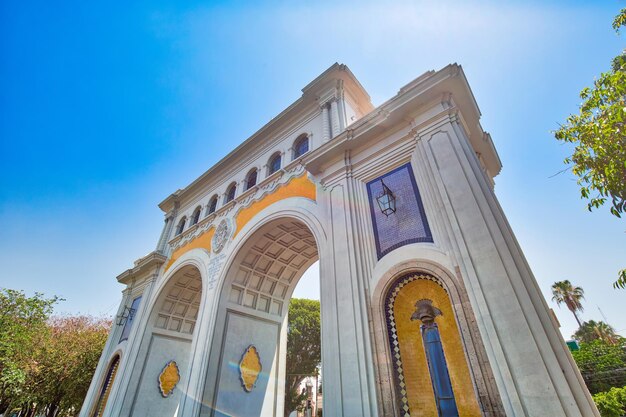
(105, 109)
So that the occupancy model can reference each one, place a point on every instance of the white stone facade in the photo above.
(224, 283)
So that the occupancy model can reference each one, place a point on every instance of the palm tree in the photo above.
(592, 330)
(565, 292)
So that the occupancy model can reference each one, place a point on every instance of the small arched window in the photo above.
(195, 218)
(274, 163)
(212, 205)
(251, 178)
(181, 226)
(300, 146)
(230, 193)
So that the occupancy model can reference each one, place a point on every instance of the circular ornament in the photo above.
(221, 236)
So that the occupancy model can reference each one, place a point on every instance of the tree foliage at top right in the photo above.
(598, 134)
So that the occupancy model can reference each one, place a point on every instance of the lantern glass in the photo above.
(386, 200)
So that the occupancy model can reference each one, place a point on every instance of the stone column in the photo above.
(334, 116)
(325, 123)
(347, 362)
(165, 233)
(342, 112)
(531, 365)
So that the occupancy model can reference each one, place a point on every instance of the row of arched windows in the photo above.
(300, 147)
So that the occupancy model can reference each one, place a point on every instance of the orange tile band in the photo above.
(300, 186)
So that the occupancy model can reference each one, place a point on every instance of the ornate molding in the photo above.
(191, 233)
(232, 208)
(223, 232)
(282, 177)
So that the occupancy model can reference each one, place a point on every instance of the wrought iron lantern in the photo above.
(127, 314)
(386, 200)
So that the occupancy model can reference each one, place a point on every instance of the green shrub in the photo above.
(611, 403)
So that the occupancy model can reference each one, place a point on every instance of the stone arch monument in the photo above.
(428, 305)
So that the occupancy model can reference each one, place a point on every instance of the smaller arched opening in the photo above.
(195, 217)
(212, 206)
(251, 178)
(166, 348)
(300, 146)
(230, 192)
(105, 390)
(274, 163)
(181, 226)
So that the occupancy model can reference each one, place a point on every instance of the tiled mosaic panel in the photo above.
(408, 224)
(392, 333)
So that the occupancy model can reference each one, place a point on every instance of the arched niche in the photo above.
(393, 302)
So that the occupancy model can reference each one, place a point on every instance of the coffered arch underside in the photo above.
(271, 264)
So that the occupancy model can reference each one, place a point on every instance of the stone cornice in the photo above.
(256, 193)
(307, 104)
(447, 86)
(143, 266)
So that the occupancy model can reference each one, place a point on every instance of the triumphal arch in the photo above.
(428, 305)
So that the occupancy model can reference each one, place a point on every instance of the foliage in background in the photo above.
(592, 330)
(598, 134)
(611, 403)
(602, 364)
(570, 295)
(67, 361)
(304, 348)
(22, 321)
(46, 364)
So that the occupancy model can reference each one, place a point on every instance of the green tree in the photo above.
(598, 134)
(570, 295)
(22, 321)
(67, 359)
(592, 330)
(602, 364)
(611, 403)
(304, 350)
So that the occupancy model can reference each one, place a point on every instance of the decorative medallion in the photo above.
(169, 378)
(221, 236)
(250, 367)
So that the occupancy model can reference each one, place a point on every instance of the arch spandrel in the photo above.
(291, 184)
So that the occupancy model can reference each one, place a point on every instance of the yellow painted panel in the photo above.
(419, 387)
(203, 241)
(301, 186)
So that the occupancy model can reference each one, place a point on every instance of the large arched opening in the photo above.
(248, 354)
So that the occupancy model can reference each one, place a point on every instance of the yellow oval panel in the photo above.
(250, 367)
(169, 378)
